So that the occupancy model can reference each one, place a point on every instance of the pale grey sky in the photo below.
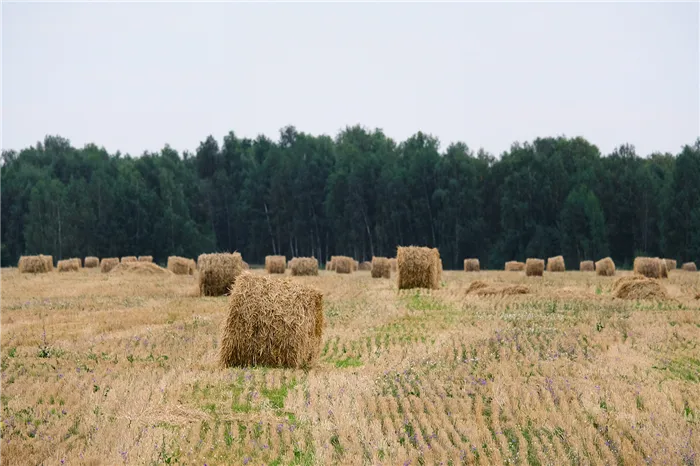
(133, 77)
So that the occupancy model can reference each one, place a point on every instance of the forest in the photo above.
(358, 194)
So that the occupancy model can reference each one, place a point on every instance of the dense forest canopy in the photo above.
(360, 194)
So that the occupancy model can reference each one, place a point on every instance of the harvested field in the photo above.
(123, 368)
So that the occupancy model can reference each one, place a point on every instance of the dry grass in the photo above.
(639, 287)
(534, 267)
(91, 262)
(275, 264)
(381, 267)
(127, 372)
(108, 263)
(218, 272)
(140, 268)
(514, 266)
(180, 265)
(472, 265)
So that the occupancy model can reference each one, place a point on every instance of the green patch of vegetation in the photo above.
(276, 396)
(683, 368)
(348, 362)
(337, 447)
(420, 302)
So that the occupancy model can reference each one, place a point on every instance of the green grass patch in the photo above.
(348, 362)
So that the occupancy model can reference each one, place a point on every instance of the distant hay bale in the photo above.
(605, 267)
(271, 322)
(275, 264)
(68, 265)
(145, 259)
(556, 264)
(472, 265)
(330, 265)
(129, 259)
(33, 264)
(394, 264)
(342, 264)
(514, 266)
(689, 267)
(304, 266)
(49, 262)
(651, 267)
(381, 268)
(91, 262)
(534, 267)
(218, 272)
(639, 287)
(671, 264)
(140, 268)
(355, 265)
(419, 267)
(365, 266)
(480, 288)
(108, 263)
(587, 266)
(180, 265)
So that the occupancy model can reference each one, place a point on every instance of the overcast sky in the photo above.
(133, 77)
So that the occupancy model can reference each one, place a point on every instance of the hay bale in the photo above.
(365, 266)
(355, 265)
(651, 267)
(218, 272)
(330, 265)
(419, 267)
(671, 264)
(304, 266)
(180, 265)
(639, 287)
(472, 265)
(68, 265)
(342, 264)
(514, 266)
(480, 288)
(33, 264)
(129, 259)
(108, 264)
(91, 262)
(394, 264)
(381, 268)
(49, 262)
(275, 264)
(140, 268)
(145, 259)
(605, 267)
(689, 267)
(534, 267)
(272, 322)
(556, 264)
(587, 266)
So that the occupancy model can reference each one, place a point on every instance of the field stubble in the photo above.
(112, 369)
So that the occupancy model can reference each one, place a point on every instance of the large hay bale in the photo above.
(49, 262)
(381, 268)
(534, 267)
(108, 263)
(140, 268)
(304, 266)
(480, 288)
(91, 262)
(342, 264)
(33, 264)
(129, 259)
(671, 264)
(605, 267)
(180, 265)
(651, 267)
(689, 267)
(218, 272)
(556, 264)
(272, 322)
(419, 267)
(472, 265)
(275, 264)
(587, 266)
(365, 266)
(514, 266)
(639, 287)
(145, 259)
(394, 264)
(68, 265)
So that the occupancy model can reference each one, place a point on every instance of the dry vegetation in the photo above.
(123, 368)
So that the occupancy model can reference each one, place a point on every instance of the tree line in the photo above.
(358, 194)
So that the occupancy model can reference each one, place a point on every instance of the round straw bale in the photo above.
(342, 264)
(556, 264)
(108, 263)
(304, 266)
(689, 267)
(605, 267)
(129, 259)
(514, 266)
(33, 264)
(271, 322)
(365, 266)
(218, 272)
(534, 267)
(472, 265)
(275, 264)
(639, 287)
(145, 259)
(91, 262)
(180, 265)
(587, 266)
(381, 267)
(651, 267)
(68, 265)
(671, 264)
(419, 267)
